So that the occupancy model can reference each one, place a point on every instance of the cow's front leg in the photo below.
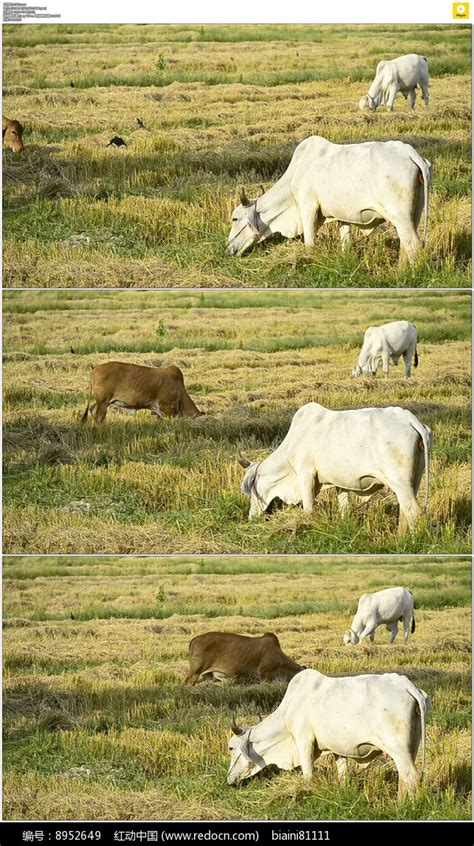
(305, 747)
(391, 98)
(385, 362)
(345, 236)
(309, 215)
(369, 630)
(156, 410)
(310, 488)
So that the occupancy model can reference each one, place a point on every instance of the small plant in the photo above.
(161, 330)
(161, 63)
(161, 595)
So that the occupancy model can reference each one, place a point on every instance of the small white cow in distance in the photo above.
(402, 74)
(385, 343)
(385, 607)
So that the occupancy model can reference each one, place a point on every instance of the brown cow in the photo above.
(225, 655)
(12, 132)
(133, 386)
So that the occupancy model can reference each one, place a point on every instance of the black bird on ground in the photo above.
(116, 141)
(72, 84)
(140, 123)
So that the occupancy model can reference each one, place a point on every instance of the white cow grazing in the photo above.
(385, 607)
(382, 343)
(357, 450)
(359, 185)
(402, 74)
(357, 717)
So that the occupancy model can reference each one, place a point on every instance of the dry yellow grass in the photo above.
(249, 361)
(98, 724)
(157, 212)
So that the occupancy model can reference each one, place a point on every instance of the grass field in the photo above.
(97, 724)
(250, 359)
(222, 106)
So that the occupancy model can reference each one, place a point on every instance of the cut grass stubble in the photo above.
(139, 485)
(96, 713)
(218, 114)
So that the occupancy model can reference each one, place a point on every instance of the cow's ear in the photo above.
(245, 746)
(248, 480)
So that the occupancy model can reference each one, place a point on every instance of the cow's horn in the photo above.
(236, 729)
(243, 197)
(260, 718)
(244, 462)
(262, 190)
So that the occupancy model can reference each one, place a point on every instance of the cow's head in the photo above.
(351, 638)
(248, 228)
(245, 761)
(250, 487)
(368, 369)
(367, 102)
(13, 135)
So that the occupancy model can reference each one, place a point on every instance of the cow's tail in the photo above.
(418, 427)
(413, 622)
(425, 169)
(85, 415)
(422, 702)
(415, 363)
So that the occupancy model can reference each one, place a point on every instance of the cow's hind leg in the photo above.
(412, 98)
(410, 244)
(407, 356)
(408, 776)
(99, 410)
(409, 509)
(406, 627)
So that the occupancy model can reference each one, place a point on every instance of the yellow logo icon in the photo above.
(461, 10)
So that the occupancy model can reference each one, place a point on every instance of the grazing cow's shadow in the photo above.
(462, 512)
(461, 245)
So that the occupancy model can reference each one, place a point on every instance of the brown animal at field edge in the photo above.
(12, 133)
